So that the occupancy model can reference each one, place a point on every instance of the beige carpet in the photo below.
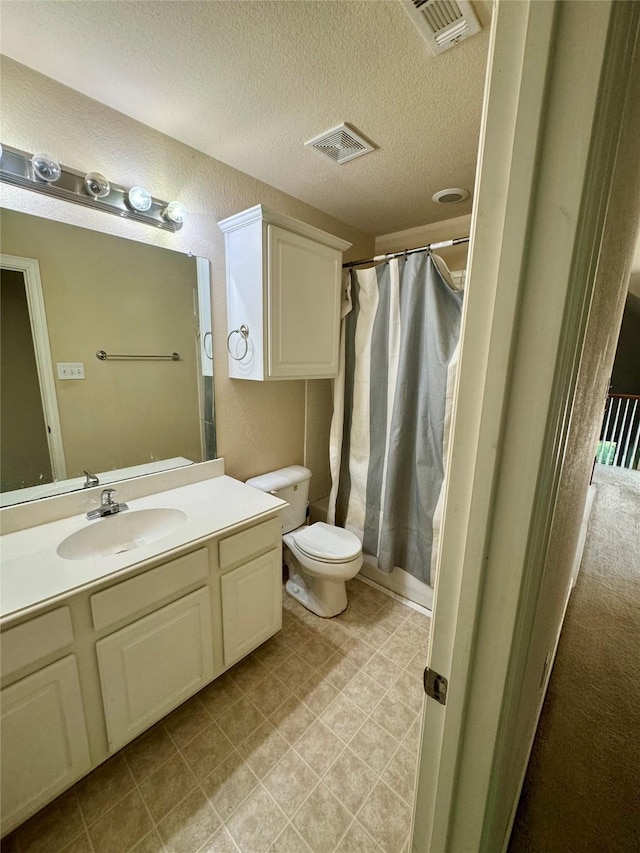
(582, 788)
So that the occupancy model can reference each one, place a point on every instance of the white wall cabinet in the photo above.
(44, 739)
(283, 297)
(151, 666)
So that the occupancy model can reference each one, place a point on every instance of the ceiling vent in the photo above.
(443, 23)
(341, 143)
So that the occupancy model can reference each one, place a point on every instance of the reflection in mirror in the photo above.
(66, 293)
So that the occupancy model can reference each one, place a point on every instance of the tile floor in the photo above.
(308, 744)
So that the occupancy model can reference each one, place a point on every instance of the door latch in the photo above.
(435, 685)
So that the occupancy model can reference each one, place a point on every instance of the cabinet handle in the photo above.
(243, 331)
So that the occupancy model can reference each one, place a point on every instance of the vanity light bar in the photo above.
(16, 168)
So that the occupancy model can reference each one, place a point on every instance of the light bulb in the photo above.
(139, 199)
(175, 211)
(45, 167)
(97, 185)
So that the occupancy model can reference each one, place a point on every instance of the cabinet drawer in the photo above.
(147, 589)
(154, 664)
(249, 543)
(38, 638)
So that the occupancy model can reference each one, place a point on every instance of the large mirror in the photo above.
(66, 294)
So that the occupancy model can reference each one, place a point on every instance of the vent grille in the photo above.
(443, 23)
(341, 144)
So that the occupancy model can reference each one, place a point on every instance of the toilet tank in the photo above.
(290, 484)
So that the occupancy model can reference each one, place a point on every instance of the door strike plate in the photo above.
(435, 685)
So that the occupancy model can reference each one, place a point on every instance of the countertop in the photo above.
(33, 575)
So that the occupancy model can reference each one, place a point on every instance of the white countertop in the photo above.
(32, 574)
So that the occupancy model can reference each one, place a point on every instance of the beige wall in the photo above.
(260, 426)
(25, 453)
(103, 292)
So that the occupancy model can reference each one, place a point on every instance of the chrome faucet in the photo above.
(91, 480)
(108, 506)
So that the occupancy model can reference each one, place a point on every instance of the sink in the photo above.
(119, 533)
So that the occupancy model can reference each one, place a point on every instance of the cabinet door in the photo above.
(44, 739)
(151, 666)
(303, 305)
(251, 605)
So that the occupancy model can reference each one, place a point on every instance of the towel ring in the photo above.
(243, 331)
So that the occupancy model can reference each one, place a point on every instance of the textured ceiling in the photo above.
(249, 82)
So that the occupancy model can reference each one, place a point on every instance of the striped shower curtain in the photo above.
(392, 404)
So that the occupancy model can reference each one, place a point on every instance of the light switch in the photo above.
(70, 370)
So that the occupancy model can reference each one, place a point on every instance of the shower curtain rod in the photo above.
(444, 244)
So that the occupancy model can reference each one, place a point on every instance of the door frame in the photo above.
(30, 269)
(554, 146)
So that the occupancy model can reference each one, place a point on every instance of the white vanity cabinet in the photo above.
(252, 591)
(283, 297)
(85, 678)
(42, 726)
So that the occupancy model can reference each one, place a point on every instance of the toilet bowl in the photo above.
(320, 557)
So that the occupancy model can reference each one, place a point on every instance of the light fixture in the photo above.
(97, 185)
(45, 167)
(452, 195)
(139, 199)
(175, 211)
(42, 174)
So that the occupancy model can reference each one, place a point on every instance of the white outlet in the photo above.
(70, 370)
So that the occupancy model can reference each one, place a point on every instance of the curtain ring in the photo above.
(243, 331)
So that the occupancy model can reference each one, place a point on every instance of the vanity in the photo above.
(106, 630)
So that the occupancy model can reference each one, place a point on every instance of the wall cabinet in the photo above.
(85, 678)
(44, 739)
(283, 297)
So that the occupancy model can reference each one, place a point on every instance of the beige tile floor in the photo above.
(308, 744)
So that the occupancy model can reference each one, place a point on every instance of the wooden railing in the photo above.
(620, 433)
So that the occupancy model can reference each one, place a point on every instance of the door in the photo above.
(556, 141)
(27, 379)
(251, 605)
(44, 739)
(304, 306)
(154, 664)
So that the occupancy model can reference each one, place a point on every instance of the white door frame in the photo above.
(30, 268)
(553, 118)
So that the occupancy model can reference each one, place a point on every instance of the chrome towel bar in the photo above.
(103, 356)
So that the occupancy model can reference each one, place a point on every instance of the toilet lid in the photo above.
(327, 542)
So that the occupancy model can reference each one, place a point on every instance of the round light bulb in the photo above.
(139, 199)
(45, 167)
(97, 185)
(175, 211)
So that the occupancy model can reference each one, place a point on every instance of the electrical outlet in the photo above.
(70, 370)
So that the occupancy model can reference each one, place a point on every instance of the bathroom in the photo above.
(259, 428)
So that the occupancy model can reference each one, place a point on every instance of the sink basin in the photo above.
(119, 533)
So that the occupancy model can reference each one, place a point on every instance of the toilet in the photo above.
(320, 557)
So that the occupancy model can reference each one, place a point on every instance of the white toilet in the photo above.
(320, 557)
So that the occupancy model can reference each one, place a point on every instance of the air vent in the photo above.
(443, 23)
(341, 143)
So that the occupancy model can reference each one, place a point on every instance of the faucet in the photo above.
(91, 480)
(108, 505)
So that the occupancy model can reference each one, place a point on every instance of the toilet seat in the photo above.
(327, 543)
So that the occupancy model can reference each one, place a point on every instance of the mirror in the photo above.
(68, 293)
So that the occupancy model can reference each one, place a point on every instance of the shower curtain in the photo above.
(392, 404)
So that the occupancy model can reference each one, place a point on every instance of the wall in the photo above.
(102, 292)
(260, 426)
(446, 229)
(25, 453)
